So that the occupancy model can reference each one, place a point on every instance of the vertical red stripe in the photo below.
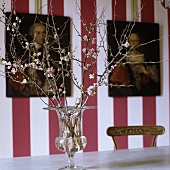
(21, 107)
(120, 103)
(149, 103)
(53, 132)
(119, 10)
(58, 9)
(20, 5)
(90, 116)
(21, 126)
(147, 13)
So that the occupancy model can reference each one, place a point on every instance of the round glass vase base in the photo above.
(72, 167)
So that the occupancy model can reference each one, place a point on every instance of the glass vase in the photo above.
(70, 139)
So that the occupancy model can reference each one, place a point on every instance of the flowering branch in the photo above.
(32, 59)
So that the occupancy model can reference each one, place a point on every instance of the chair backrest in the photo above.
(114, 131)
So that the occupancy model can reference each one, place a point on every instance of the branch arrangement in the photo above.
(40, 63)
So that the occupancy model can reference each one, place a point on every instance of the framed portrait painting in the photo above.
(134, 48)
(33, 29)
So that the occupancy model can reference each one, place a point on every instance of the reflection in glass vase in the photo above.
(71, 139)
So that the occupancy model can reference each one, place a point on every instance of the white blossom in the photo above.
(39, 53)
(26, 43)
(34, 54)
(126, 45)
(54, 97)
(4, 62)
(14, 24)
(55, 36)
(40, 68)
(60, 90)
(8, 63)
(62, 58)
(91, 76)
(24, 81)
(85, 38)
(94, 55)
(85, 68)
(13, 70)
(91, 90)
(84, 50)
(37, 61)
(8, 29)
(69, 55)
(9, 67)
(50, 75)
(66, 58)
(94, 41)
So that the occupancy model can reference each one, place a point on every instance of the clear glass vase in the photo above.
(70, 139)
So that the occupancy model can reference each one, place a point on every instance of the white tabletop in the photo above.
(148, 158)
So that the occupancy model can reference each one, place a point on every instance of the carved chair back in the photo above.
(114, 131)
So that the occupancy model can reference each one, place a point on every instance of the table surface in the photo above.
(146, 158)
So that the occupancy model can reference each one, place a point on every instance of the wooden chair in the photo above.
(114, 131)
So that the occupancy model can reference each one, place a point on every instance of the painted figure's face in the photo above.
(134, 40)
(39, 35)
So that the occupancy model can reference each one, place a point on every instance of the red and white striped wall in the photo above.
(26, 129)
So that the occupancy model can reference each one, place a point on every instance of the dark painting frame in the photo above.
(14, 89)
(149, 34)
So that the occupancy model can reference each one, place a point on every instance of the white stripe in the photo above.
(44, 6)
(39, 118)
(139, 10)
(134, 103)
(105, 103)
(70, 10)
(128, 11)
(6, 144)
(135, 118)
(162, 102)
(32, 6)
